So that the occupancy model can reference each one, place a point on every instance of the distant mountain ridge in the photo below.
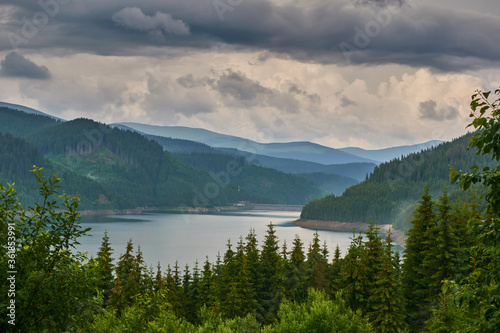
(305, 151)
(388, 154)
(301, 150)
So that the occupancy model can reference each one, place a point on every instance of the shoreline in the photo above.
(195, 210)
(398, 236)
(141, 210)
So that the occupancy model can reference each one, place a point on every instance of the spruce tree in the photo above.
(173, 292)
(353, 278)
(205, 284)
(440, 254)
(387, 312)
(127, 284)
(296, 273)
(252, 255)
(317, 266)
(160, 282)
(272, 271)
(414, 276)
(372, 262)
(335, 269)
(239, 300)
(105, 267)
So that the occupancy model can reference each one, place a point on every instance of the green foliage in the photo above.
(54, 287)
(353, 280)
(105, 267)
(415, 279)
(319, 314)
(481, 291)
(448, 316)
(486, 116)
(20, 123)
(386, 301)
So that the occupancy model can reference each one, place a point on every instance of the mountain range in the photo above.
(304, 151)
(112, 168)
(271, 172)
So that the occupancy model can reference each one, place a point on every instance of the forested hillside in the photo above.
(19, 123)
(114, 168)
(390, 193)
(17, 157)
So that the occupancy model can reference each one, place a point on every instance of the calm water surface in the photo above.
(166, 238)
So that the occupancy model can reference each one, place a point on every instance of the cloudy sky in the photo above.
(366, 73)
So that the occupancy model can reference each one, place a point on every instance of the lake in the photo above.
(166, 238)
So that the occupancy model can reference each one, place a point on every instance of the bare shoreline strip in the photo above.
(398, 235)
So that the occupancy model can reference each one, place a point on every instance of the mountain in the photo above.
(357, 171)
(305, 151)
(19, 123)
(115, 168)
(392, 191)
(333, 178)
(26, 109)
(388, 154)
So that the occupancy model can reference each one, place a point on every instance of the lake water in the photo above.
(166, 238)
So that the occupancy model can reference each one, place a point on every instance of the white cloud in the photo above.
(270, 103)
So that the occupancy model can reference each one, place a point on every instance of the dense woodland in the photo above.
(390, 194)
(113, 168)
(447, 280)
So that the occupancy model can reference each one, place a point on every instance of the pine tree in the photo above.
(317, 266)
(205, 284)
(105, 267)
(126, 263)
(335, 270)
(414, 276)
(159, 282)
(440, 255)
(216, 285)
(387, 312)
(353, 279)
(173, 292)
(296, 273)
(272, 270)
(239, 300)
(252, 255)
(127, 285)
(372, 262)
(144, 280)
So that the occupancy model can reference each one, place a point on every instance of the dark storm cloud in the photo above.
(15, 65)
(133, 18)
(342, 32)
(429, 110)
(235, 88)
(313, 98)
(345, 102)
(380, 3)
(188, 81)
(240, 87)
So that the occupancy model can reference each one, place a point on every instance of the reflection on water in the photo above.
(166, 238)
